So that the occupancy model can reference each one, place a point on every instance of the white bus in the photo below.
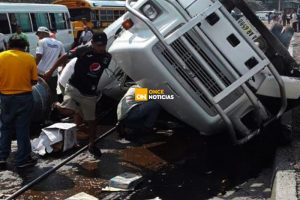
(31, 16)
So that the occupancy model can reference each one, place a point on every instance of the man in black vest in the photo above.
(81, 91)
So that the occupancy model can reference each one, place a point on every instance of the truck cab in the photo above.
(197, 52)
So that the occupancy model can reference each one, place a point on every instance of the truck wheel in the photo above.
(286, 36)
(276, 29)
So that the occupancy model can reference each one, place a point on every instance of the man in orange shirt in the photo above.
(18, 72)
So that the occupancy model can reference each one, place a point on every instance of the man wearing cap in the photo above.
(81, 90)
(18, 72)
(47, 53)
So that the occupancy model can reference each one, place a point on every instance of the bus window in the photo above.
(58, 21)
(103, 15)
(39, 19)
(68, 21)
(4, 28)
(109, 15)
(21, 19)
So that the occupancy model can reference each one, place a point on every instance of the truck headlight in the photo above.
(150, 10)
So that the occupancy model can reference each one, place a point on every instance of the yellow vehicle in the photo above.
(95, 14)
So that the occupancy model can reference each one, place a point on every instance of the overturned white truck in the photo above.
(196, 51)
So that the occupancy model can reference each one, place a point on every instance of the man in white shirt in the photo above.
(86, 35)
(47, 53)
(3, 45)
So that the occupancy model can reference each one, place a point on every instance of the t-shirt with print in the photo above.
(50, 49)
(88, 69)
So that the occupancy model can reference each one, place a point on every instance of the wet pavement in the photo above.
(183, 165)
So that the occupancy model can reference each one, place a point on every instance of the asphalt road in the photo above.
(175, 164)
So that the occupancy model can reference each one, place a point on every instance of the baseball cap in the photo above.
(43, 29)
(100, 38)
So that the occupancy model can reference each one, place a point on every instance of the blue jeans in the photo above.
(142, 116)
(15, 115)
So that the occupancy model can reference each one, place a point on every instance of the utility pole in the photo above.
(279, 5)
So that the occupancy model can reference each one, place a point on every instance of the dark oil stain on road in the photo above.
(208, 166)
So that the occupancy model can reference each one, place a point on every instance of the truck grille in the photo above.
(197, 69)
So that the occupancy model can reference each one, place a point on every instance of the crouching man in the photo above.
(136, 115)
(18, 72)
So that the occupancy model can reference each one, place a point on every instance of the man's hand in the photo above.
(47, 75)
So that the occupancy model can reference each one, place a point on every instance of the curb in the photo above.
(284, 186)
(284, 176)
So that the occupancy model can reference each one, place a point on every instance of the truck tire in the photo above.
(41, 96)
(286, 36)
(276, 30)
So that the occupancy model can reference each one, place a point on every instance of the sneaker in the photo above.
(28, 163)
(95, 151)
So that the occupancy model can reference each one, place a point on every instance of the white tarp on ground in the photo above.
(53, 134)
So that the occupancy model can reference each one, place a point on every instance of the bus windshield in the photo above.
(80, 13)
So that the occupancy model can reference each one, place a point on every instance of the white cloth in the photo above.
(50, 49)
(2, 40)
(127, 103)
(67, 72)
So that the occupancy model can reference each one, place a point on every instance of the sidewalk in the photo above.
(286, 184)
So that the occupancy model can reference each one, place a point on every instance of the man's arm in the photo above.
(34, 73)
(28, 45)
(33, 82)
(38, 58)
(59, 62)
(5, 44)
(39, 52)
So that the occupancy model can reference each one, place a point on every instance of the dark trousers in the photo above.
(142, 116)
(295, 26)
(15, 115)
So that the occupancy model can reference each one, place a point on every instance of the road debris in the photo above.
(57, 137)
(82, 196)
(125, 180)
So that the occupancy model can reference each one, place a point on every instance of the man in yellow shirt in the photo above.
(18, 72)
